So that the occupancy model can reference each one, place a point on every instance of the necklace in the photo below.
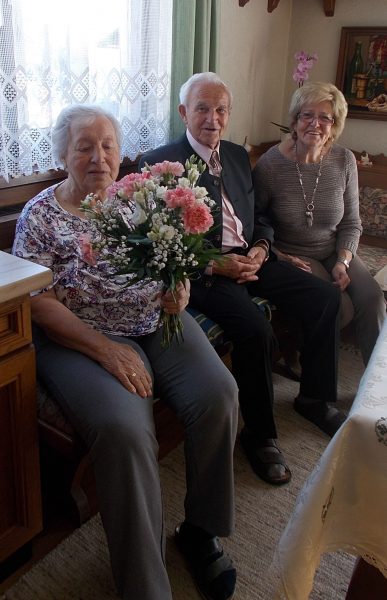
(309, 206)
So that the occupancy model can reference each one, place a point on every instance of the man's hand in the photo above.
(241, 268)
(340, 276)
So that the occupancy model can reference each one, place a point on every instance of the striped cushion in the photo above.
(213, 331)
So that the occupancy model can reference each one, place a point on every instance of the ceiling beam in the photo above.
(329, 7)
(272, 4)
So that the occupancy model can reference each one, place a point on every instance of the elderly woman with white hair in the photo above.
(308, 186)
(99, 351)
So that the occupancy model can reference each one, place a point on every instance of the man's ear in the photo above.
(183, 113)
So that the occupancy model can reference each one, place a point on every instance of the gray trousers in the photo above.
(118, 428)
(362, 302)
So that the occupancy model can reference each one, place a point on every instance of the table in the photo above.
(381, 278)
(20, 501)
(343, 504)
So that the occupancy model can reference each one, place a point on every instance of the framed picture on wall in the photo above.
(362, 71)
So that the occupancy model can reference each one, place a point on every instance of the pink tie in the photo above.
(215, 165)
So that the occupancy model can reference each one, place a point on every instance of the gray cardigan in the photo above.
(336, 221)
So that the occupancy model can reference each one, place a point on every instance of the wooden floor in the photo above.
(59, 513)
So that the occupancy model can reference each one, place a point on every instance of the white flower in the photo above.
(139, 215)
(149, 184)
(160, 191)
(139, 197)
(157, 220)
(184, 182)
(200, 192)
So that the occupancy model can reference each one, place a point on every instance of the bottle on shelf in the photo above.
(355, 67)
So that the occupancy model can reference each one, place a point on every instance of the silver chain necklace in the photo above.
(309, 206)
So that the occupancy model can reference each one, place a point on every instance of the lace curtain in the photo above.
(116, 53)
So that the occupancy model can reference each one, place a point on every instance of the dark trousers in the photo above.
(313, 302)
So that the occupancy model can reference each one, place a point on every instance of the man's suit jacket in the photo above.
(237, 182)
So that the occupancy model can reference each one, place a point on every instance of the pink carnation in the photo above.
(197, 218)
(179, 197)
(87, 250)
(167, 168)
(127, 185)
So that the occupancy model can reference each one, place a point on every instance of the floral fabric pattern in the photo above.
(50, 236)
(373, 211)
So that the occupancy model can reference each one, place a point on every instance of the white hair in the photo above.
(206, 77)
(61, 131)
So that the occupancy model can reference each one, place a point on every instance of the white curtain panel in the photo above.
(114, 53)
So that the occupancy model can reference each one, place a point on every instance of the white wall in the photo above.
(312, 31)
(253, 60)
(257, 60)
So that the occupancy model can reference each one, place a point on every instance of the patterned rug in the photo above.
(78, 568)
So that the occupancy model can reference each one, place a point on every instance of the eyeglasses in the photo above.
(309, 117)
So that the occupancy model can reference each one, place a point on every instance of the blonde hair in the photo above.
(314, 93)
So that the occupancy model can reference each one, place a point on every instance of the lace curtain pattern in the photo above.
(116, 54)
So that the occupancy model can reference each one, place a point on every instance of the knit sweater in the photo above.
(336, 221)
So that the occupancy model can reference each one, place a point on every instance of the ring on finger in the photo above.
(134, 374)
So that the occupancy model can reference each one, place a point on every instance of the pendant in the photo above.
(309, 218)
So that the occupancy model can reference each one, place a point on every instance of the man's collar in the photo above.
(203, 151)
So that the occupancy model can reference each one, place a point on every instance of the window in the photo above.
(116, 53)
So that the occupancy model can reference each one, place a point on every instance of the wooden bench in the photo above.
(56, 434)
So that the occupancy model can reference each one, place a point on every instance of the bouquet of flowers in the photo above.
(151, 226)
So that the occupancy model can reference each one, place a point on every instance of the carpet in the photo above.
(78, 568)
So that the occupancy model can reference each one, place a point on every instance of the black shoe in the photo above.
(265, 458)
(328, 418)
(213, 571)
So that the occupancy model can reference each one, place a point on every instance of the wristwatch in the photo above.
(344, 261)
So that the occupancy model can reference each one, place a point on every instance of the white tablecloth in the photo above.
(343, 504)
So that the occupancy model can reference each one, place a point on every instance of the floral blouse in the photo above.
(50, 236)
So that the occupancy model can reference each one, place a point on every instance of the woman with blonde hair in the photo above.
(308, 186)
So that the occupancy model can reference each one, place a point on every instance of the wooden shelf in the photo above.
(328, 5)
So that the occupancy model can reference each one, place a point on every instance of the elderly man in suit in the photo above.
(250, 268)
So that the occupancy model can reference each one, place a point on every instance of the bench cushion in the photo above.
(373, 211)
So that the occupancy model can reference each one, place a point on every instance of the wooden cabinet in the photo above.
(20, 500)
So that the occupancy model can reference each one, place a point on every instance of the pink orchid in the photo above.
(305, 63)
(197, 218)
(179, 197)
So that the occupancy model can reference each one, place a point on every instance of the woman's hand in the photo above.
(294, 260)
(63, 327)
(175, 302)
(340, 276)
(126, 364)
